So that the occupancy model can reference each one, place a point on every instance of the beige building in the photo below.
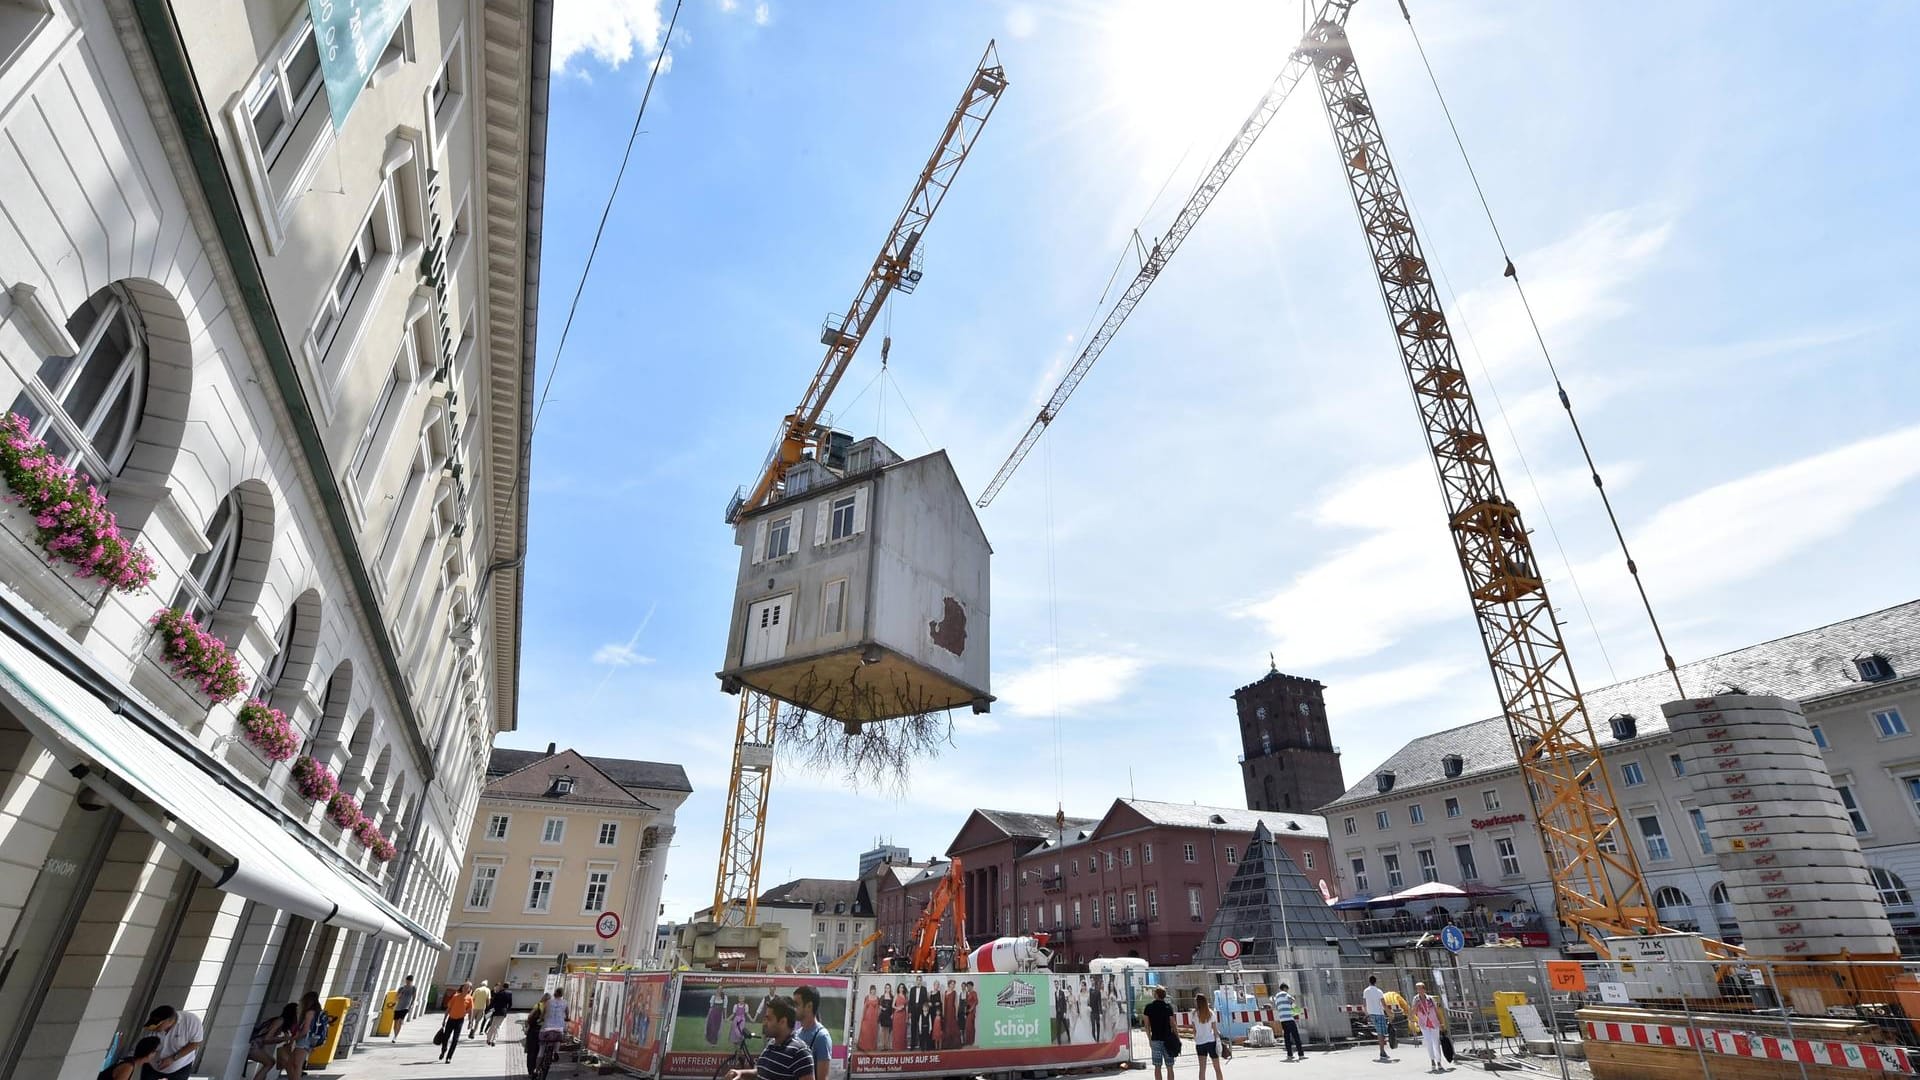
(1451, 806)
(561, 842)
(270, 287)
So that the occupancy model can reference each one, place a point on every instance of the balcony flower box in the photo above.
(383, 849)
(366, 832)
(269, 731)
(71, 521)
(343, 810)
(314, 781)
(197, 658)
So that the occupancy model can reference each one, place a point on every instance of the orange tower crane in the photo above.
(737, 884)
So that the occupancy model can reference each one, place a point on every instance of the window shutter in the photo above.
(794, 536)
(822, 511)
(859, 512)
(759, 541)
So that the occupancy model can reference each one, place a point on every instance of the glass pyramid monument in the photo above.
(1268, 903)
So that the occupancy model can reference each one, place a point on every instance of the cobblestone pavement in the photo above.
(414, 1057)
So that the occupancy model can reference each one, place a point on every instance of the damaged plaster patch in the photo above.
(950, 631)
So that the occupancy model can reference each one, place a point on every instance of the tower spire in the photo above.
(1273, 666)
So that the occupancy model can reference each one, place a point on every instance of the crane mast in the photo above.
(1598, 885)
(736, 888)
(1163, 249)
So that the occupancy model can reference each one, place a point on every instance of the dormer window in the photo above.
(1453, 765)
(1873, 668)
(1624, 726)
(563, 785)
(1385, 781)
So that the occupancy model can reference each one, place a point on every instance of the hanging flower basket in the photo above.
(383, 849)
(269, 730)
(197, 657)
(366, 832)
(314, 781)
(70, 517)
(344, 810)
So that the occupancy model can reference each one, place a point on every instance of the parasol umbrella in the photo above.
(1427, 890)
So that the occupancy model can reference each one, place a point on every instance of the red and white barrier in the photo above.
(1236, 1016)
(1874, 1058)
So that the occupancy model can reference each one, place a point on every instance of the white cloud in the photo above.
(1396, 686)
(1021, 21)
(619, 655)
(761, 14)
(609, 31)
(1070, 685)
(729, 5)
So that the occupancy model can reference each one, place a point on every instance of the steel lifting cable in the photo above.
(1053, 631)
(1633, 570)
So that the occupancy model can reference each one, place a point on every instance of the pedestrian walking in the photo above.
(1285, 1011)
(1206, 1036)
(536, 1017)
(181, 1037)
(129, 1065)
(309, 1031)
(785, 1055)
(403, 1005)
(1376, 1004)
(1426, 1016)
(498, 1007)
(267, 1045)
(1397, 1010)
(809, 1029)
(459, 1005)
(1160, 1035)
(482, 995)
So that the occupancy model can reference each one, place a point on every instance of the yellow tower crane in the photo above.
(736, 886)
(1599, 889)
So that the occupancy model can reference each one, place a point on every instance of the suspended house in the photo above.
(863, 591)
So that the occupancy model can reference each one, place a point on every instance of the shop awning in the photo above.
(254, 854)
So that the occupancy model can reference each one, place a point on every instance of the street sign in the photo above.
(1452, 938)
(1229, 948)
(607, 925)
(1233, 964)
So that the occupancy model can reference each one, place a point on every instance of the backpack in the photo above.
(322, 1021)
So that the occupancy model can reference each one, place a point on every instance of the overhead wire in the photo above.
(1566, 402)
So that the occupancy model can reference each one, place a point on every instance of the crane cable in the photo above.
(1566, 402)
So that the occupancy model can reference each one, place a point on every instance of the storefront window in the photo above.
(53, 905)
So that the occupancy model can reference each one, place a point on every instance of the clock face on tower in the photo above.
(1303, 708)
(1260, 713)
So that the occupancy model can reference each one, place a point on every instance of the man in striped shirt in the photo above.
(1283, 1011)
(784, 1057)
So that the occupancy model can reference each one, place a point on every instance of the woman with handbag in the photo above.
(269, 1040)
(1206, 1036)
(1426, 1017)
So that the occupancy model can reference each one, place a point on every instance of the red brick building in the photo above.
(898, 893)
(1143, 880)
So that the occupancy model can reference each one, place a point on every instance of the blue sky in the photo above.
(1713, 213)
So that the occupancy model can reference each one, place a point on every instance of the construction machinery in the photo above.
(1599, 888)
(946, 899)
(805, 433)
(848, 957)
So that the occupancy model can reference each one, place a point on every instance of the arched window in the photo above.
(1718, 894)
(1669, 897)
(86, 406)
(211, 574)
(276, 665)
(1893, 891)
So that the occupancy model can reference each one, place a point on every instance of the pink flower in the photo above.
(314, 781)
(344, 810)
(68, 513)
(197, 656)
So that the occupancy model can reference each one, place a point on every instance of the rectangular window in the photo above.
(524, 948)
(1126, 856)
(540, 891)
(1382, 820)
(1630, 774)
(1679, 767)
(1232, 855)
(1146, 854)
(1360, 876)
(1076, 913)
(1453, 807)
(480, 893)
(842, 517)
(1509, 856)
(497, 827)
(1113, 908)
(287, 88)
(1890, 723)
(345, 283)
(1309, 857)
(1133, 906)
(1193, 901)
(1109, 856)
(1656, 839)
(1186, 852)
(1854, 813)
(833, 606)
(1491, 799)
(585, 948)
(1463, 853)
(1416, 815)
(366, 459)
(1700, 833)
(609, 831)
(780, 537)
(466, 954)
(554, 830)
(448, 87)
(1153, 904)
(1095, 904)
(1351, 827)
(596, 898)
(1429, 870)
(1394, 880)
(1608, 843)
(1819, 735)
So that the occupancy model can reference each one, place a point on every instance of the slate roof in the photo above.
(1039, 826)
(1189, 816)
(1808, 665)
(591, 787)
(659, 776)
(818, 892)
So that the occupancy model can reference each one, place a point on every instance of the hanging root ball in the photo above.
(877, 754)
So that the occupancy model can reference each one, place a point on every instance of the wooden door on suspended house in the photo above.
(767, 622)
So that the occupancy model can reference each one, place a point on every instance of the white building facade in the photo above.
(273, 312)
(1452, 807)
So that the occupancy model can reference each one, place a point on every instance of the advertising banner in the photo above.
(962, 1023)
(351, 35)
(643, 1021)
(604, 1014)
(718, 1013)
(579, 997)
